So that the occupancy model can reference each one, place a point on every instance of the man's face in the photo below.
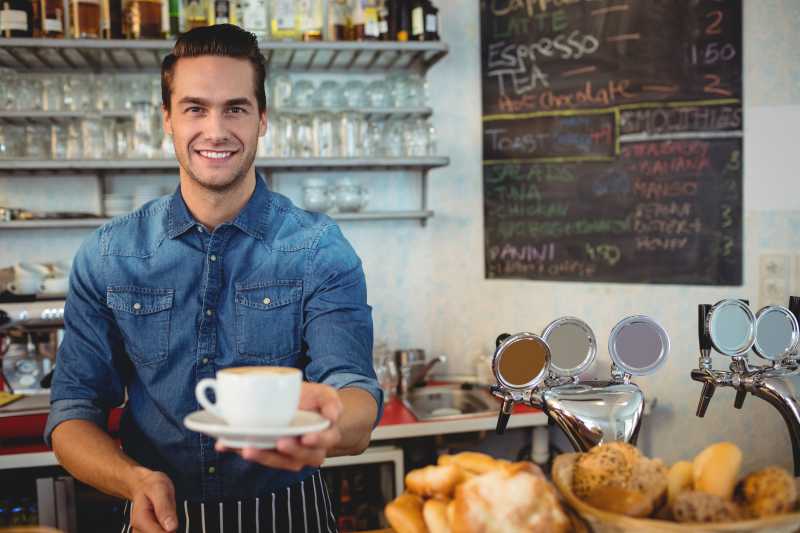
(214, 121)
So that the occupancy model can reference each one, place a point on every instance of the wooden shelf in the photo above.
(112, 55)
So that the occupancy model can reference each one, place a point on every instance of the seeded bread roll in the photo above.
(438, 481)
(649, 477)
(715, 469)
(619, 500)
(602, 465)
(631, 452)
(404, 514)
(769, 491)
(696, 506)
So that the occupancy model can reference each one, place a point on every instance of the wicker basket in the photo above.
(605, 522)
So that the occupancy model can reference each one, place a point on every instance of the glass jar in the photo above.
(327, 135)
(350, 196)
(316, 195)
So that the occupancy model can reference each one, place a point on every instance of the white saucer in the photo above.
(254, 437)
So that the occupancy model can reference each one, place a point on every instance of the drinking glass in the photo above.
(104, 89)
(317, 195)
(408, 90)
(37, 141)
(29, 93)
(52, 93)
(352, 130)
(303, 94)
(328, 95)
(379, 94)
(415, 137)
(374, 140)
(304, 144)
(280, 93)
(65, 141)
(12, 141)
(394, 139)
(354, 94)
(142, 130)
(350, 196)
(92, 136)
(327, 135)
(71, 89)
(8, 88)
(123, 139)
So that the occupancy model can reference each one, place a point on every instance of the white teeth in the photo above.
(215, 155)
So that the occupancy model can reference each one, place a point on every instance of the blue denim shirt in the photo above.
(157, 303)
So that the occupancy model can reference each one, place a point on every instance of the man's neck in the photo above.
(212, 208)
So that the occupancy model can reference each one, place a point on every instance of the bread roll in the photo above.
(680, 479)
(631, 452)
(695, 506)
(404, 514)
(475, 462)
(649, 478)
(508, 501)
(715, 469)
(602, 465)
(435, 514)
(438, 481)
(620, 500)
(769, 491)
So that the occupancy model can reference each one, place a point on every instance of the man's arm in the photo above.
(91, 455)
(359, 411)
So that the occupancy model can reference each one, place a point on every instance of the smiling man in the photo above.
(222, 273)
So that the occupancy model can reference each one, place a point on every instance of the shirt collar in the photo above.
(251, 219)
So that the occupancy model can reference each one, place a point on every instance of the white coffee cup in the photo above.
(253, 396)
(25, 285)
(55, 285)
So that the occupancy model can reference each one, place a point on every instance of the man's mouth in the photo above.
(216, 155)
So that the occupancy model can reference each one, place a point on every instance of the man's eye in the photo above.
(236, 109)
(195, 109)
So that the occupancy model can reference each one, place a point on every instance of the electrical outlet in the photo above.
(774, 279)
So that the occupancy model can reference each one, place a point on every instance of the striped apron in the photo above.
(304, 507)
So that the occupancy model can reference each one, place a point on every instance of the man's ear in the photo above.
(262, 123)
(166, 120)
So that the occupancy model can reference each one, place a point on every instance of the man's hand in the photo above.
(153, 504)
(294, 453)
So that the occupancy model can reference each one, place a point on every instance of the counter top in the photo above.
(22, 425)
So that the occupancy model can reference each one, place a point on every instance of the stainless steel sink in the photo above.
(439, 403)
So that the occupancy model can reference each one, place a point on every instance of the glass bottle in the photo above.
(142, 19)
(195, 14)
(174, 17)
(16, 18)
(51, 17)
(85, 18)
(417, 20)
(310, 19)
(403, 20)
(111, 19)
(357, 20)
(283, 25)
(431, 21)
(252, 16)
(338, 16)
(383, 20)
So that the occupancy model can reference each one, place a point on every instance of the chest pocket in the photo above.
(268, 319)
(143, 317)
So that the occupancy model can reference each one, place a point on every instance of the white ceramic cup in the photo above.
(253, 396)
(55, 285)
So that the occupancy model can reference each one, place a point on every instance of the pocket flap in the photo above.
(139, 300)
(269, 294)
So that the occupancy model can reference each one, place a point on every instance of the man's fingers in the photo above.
(162, 496)
(143, 518)
(272, 459)
(323, 398)
(323, 439)
(304, 454)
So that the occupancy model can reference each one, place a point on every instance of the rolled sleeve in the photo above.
(343, 381)
(63, 410)
(337, 326)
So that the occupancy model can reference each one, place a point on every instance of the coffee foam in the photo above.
(249, 370)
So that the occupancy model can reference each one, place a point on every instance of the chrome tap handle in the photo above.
(740, 396)
(500, 339)
(703, 337)
(505, 414)
(705, 398)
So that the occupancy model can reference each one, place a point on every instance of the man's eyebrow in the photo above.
(202, 101)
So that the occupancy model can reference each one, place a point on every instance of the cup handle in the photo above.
(200, 392)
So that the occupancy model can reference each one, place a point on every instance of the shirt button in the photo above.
(212, 470)
(209, 312)
(200, 229)
(213, 258)
(266, 301)
(137, 306)
(205, 360)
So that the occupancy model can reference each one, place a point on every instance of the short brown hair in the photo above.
(224, 40)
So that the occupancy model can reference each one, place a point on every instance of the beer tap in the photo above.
(773, 334)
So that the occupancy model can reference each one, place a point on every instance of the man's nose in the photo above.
(215, 129)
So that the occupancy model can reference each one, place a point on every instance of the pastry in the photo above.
(769, 491)
(434, 513)
(473, 462)
(438, 481)
(715, 469)
(696, 506)
(404, 514)
(679, 479)
(516, 499)
(602, 465)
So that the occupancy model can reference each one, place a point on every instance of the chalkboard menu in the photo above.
(612, 140)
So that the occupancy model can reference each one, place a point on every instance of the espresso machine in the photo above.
(28, 350)
(543, 371)
(730, 328)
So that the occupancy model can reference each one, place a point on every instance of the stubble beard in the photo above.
(224, 186)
